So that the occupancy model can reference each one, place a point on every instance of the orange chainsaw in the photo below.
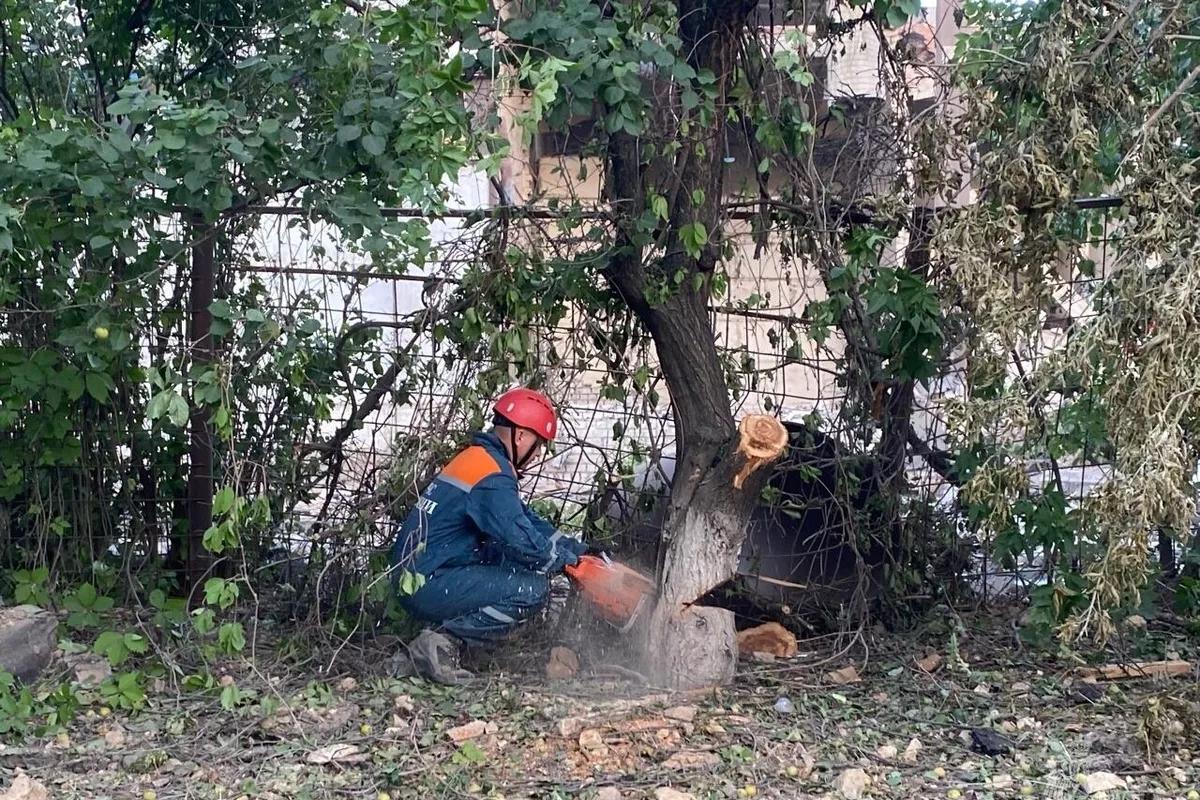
(618, 594)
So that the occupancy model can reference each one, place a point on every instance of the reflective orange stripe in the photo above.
(469, 467)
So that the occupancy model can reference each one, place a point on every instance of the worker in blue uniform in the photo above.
(485, 558)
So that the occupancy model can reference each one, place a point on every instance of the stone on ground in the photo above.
(27, 641)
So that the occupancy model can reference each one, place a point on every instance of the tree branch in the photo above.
(8, 103)
(94, 62)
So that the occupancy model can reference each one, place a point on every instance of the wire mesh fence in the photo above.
(337, 393)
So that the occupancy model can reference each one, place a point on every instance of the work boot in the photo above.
(436, 656)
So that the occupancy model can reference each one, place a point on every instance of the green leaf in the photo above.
(177, 410)
(86, 595)
(98, 385)
(693, 236)
(348, 133)
(375, 145)
(658, 204)
(194, 181)
(204, 620)
(223, 501)
(231, 637)
(172, 140)
(469, 753)
(92, 187)
(121, 107)
(111, 645)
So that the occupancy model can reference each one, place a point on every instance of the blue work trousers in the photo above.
(479, 603)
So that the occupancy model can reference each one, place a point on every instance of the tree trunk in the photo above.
(706, 518)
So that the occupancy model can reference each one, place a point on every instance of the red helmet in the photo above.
(528, 409)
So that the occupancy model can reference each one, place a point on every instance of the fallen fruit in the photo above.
(750, 789)
(1026, 790)
(149, 794)
(939, 772)
(1193, 795)
(365, 729)
(105, 711)
(100, 332)
(793, 771)
(954, 794)
(383, 796)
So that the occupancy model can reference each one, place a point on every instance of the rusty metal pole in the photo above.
(200, 450)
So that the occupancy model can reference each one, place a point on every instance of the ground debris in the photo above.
(289, 722)
(930, 663)
(667, 793)
(843, 676)
(563, 664)
(852, 783)
(1096, 782)
(718, 743)
(339, 753)
(89, 670)
(471, 730)
(692, 759)
(681, 713)
(989, 743)
(114, 737)
(25, 788)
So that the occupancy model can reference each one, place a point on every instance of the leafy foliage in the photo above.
(1053, 131)
(318, 105)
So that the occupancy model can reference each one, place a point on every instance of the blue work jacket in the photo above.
(472, 513)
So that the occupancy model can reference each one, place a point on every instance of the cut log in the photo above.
(770, 638)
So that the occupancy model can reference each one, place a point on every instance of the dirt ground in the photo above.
(783, 730)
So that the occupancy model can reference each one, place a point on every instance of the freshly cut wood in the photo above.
(1138, 669)
(770, 638)
(762, 439)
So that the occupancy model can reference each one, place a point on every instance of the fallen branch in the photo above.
(1140, 669)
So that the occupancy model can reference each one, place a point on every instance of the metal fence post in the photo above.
(200, 448)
